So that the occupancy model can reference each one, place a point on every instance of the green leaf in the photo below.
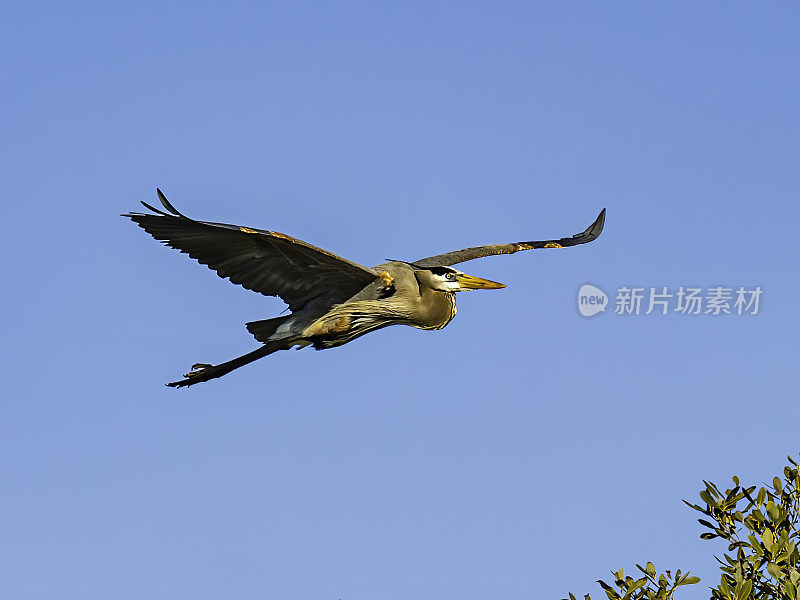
(781, 542)
(773, 511)
(776, 515)
(690, 580)
(743, 590)
(790, 588)
(768, 538)
(708, 499)
(774, 570)
(723, 585)
(705, 523)
(650, 569)
(776, 483)
(737, 575)
(604, 585)
(694, 506)
(712, 487)
(638, 584)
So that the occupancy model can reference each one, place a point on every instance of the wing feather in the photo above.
(268, 262)
(458, 256)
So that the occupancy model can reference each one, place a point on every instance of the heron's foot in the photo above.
(200, 372)
(197, 370)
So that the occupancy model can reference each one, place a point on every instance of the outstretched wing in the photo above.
(267, 262)
(457, 256)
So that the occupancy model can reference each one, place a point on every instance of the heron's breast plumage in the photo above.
(437, 310)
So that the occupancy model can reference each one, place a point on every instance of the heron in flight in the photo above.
(332, 300)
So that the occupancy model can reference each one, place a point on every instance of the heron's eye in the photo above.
(450, 276)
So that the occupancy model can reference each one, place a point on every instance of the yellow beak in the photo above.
(468, 282)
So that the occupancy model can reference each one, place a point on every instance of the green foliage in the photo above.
(651, 586)
(761, 529)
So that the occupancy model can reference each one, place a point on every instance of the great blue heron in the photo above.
(332, 300)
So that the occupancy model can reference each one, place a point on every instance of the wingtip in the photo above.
(166, 204)
(596, 228)
(163, 199)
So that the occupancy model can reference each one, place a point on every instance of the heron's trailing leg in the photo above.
(203, 371)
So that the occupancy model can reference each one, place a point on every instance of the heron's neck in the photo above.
(437, 309)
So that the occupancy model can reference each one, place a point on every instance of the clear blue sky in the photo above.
(524, 451)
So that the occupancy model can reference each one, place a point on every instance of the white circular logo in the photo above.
(591, 300)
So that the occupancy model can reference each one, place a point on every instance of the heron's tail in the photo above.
(262, 330)
(203, 372)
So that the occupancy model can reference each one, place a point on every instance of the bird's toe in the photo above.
(198, 369)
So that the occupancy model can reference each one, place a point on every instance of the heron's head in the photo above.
(446, 279)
